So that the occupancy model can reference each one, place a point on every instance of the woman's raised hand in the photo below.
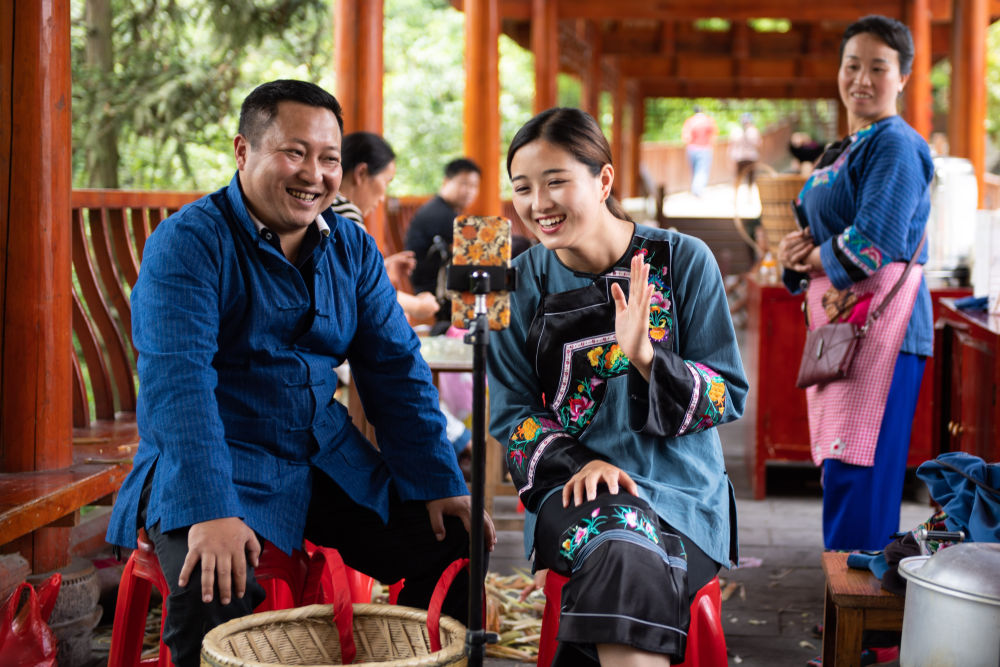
(593, 475)
(632, 317)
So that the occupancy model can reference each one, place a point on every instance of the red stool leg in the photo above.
(550, 618)
(361, 586)
(141, 573)
(706, 644)
(395, 589)
(282, 576)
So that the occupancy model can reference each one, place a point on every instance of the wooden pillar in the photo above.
(482, 100)
(360, 70)
(637, 129)
(545, 46)
(967, 112)
(918, 109)
(592, 77)
(35, 182)
(36, 365)
(617, 135)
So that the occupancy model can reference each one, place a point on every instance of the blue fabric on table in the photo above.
(970, 507)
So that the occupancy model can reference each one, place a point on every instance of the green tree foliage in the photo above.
(424, 90)
(179, 70)
(156, 91)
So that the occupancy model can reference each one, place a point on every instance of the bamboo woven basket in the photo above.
(387, 635)
(776, 194)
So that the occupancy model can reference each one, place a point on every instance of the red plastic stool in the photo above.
(288, 580)
(706, 643)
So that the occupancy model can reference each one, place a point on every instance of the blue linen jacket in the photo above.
(236, 379)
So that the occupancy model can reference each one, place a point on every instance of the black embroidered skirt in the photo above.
(628, 576)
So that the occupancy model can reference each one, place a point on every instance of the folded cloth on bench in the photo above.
(968, 490)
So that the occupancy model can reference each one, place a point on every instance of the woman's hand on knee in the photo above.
(591, 476)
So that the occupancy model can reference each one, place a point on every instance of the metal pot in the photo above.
(952, 610)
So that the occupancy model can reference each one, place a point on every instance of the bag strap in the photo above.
(875, 314)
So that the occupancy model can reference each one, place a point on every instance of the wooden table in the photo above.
(452, 355)
(854, 602)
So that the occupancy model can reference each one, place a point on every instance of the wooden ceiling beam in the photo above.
(666, 10)
(746, 88)
(722, 67)
(670, 10)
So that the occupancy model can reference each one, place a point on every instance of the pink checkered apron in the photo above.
(845, 416)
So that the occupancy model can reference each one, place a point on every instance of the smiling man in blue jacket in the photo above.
(246, 302)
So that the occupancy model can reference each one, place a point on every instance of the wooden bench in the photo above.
(109, 230)
(854, 602)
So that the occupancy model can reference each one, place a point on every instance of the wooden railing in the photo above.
(109, 230)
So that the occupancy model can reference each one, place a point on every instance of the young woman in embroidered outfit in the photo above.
(607, 404)
(866, 206)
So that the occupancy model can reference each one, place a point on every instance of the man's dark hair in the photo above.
(261, 106)
(462, 165)
(894, 34)
(366, 148)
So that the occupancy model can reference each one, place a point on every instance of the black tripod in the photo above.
(476, 636)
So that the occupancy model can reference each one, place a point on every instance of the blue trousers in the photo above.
(700, 160)
(861, 504)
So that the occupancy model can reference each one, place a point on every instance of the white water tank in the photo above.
(951, 228)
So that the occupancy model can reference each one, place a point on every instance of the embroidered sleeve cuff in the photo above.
(682, 397)
(852, 253)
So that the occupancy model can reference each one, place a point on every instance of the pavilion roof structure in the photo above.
(659, 48)
(640, 49)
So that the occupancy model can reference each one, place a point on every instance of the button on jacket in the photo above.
(237, 349)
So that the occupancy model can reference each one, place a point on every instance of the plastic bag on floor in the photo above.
(25, 637)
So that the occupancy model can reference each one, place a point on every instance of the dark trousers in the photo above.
(403, 548)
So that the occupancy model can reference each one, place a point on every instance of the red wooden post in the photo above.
(967, 113)
(917, 95)
(592, 78)
(482, 100)
(638, 126)
(617, 136)
(360, 69)
(36, 371)
(545, 46)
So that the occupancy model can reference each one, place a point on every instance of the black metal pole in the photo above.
(476, 637)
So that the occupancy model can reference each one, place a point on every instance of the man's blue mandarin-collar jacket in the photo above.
(236, 379)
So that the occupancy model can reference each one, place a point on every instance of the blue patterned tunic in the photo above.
(869, 207)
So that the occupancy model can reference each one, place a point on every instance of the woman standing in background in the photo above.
(865, 207)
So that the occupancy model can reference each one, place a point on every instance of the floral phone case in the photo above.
(480, 241)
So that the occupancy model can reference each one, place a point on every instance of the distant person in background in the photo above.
(699, 134)
(744, 149)
(369, 165)
(805, 150)
(434, 221)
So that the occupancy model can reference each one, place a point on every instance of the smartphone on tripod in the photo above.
(481, 241)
